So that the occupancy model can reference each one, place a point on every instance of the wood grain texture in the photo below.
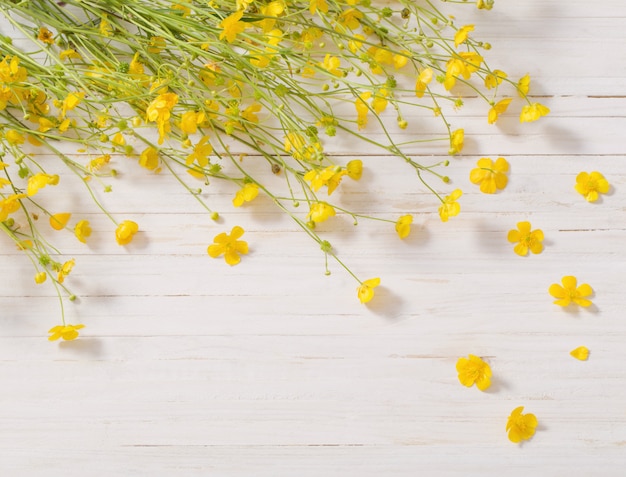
(188, 367)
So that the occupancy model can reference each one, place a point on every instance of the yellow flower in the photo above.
(590, 184)
(473, 370)
(201, 152)
(497, 109)
(246, 194)
(461, 34)
(99, 162)
(69, 54)
(490, 176)
(520, 426)
(462, 64)
(67, 332)
(232, 26)
(350, 18)
(315, 5)
(59, 221)
(65, 270)
(523, 86)
(450, 207)
(39, 181)
(320, 211)
(379, 103)
(532, 112)
(569, 292)
(329, 177)
(365, 291)
(526, 239)
(157, 44)
(457, 139)
(423, 79)
(581, 353)
(494, 78)
(45, 36)
(362, 108)
(82, 231)
(354, 169)
(70, 102)
(125, 232)
(160, 111)
(229, 246)
(14, 137)
(332, 64)
(118, 139)
(149, 158)
(403, 226)
(9, 205)
(40, 277)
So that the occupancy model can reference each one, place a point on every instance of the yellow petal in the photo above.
(581, 353)
(59, 221)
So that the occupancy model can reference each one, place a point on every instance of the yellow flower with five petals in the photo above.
(229, 246)
(526, 239)
(569, 292)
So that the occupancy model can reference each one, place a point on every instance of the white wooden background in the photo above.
(188, 367)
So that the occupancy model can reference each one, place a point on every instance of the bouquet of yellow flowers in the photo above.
(203, 89)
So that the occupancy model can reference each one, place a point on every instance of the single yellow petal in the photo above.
(581, 353)
(569, 282)
(557, 291)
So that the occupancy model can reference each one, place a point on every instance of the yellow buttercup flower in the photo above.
(570, 292)
(229, 246)
(497, 109)
(520, 426)
(160, 111)
(149, 158)
(246, 194)
(494, 78)
(526, 239)
(46, 36)
(461, 34)
(523, 86)
(581, 353)
(354, 169)
(65, 270)
(491, 176)
(457, 141)
(423, 79)
(125, 232)
(232, 26)
(473, 370)
(532, 112)
(9, 205)
(365, 291)
(82, 231)
(450, 207)
(320, 211)
(332, 65)
(14, 137)
(403, 226)
(59, 221)
(66, 332)
(589, 185)
(39, 181)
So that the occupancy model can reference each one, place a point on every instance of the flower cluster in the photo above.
(185, 87)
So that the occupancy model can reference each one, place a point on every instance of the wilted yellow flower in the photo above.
(125, 232)
(229, 246)
(491, 176)
(526, 239)
(473, 370)
(9, 205)
(450, 207)
(14, 137)
(523, 86)
(423, 79)
(520, 426)
(67, 332)
(403, 226)
(365, 291)
(45, 36)
(589, 185)
(570, 292)
(494, 78)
